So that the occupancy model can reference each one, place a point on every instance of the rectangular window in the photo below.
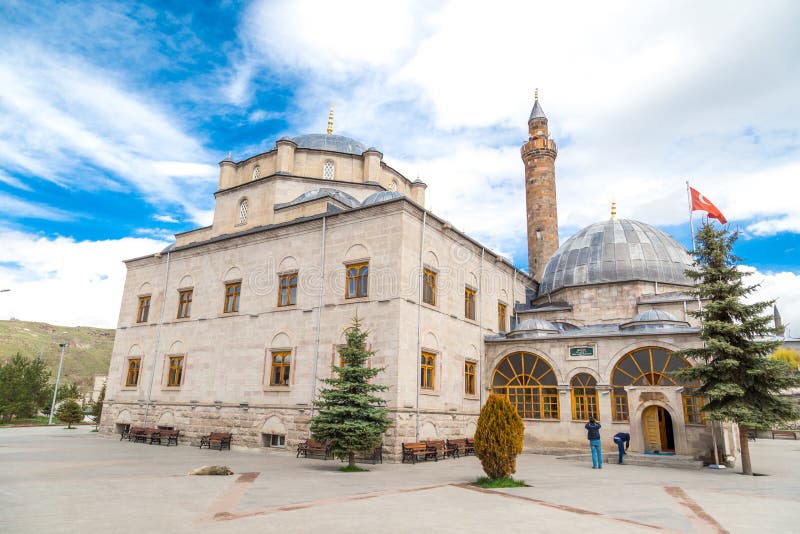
(132, 379)
(288, 289)
(281, 368)
(175, 371)
(144, 309)
(429, 287)
(357, 280)
(620, 400)
(469, 303)
(232, 293)
(469, 378)
(692, 405)
(428, 371)
(274, 440)
(501, 317)
(184, 303)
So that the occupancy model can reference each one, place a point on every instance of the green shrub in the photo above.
(498, 437)
(70, 412)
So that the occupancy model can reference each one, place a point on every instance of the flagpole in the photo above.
(691, 219)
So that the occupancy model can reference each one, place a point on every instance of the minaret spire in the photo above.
(330, 121)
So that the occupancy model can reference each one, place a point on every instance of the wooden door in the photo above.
(651, 429)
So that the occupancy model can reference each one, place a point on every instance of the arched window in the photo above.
(584, 397)
(393, 186)
(529, 383)
(243, 211)
(256, 173)
(650, 366)
(327, 170)
(357, 280)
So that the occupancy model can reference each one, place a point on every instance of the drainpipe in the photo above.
(158, 338)
(480, 330)
(419, 313)
(514, 298)
(319, 324)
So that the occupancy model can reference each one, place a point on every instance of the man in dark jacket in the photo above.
(622, 438)
(593, 428)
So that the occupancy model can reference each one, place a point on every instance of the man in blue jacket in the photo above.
(593, 428)
(622, 438)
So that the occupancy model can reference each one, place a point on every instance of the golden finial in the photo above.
(330, 121)
(613, 209)
(536, 94)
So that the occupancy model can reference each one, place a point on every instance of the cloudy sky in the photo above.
(113, 118)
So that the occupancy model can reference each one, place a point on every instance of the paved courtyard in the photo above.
(55, 480)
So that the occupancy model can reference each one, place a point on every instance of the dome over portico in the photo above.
(617, 250)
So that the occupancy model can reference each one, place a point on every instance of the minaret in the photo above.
(539, 156)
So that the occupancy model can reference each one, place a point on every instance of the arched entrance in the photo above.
(657, 430)
(529, 383)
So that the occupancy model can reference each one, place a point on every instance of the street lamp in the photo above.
(58, 377)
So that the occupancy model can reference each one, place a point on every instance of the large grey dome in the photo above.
(617, 251)
(333, 143)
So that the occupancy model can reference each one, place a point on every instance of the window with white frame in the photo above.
(243, 211)
(327, 170)
(256, 173)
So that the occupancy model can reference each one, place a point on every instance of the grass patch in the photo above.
(353, 469)
(95, 430)
(26, 421)
(505, 482)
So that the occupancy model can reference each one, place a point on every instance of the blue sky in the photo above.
(113, 117)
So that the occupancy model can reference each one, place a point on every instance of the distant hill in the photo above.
(88, 354)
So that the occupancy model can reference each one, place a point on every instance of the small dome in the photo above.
(539, 325)
(331, 143)
(617, 250)
(341, 196)
(381, 196)
(655, 315)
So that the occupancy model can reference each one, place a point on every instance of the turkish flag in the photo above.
(699, 202)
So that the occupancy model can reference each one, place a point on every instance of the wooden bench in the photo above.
(458, 447)
(310, 446)
(221, 439)
(125, 433)
(470, 446)
(412, 452)
(171, 436)
(788, 434)
(155, 435)
(438, 448)
(138, 434)
(375, 455)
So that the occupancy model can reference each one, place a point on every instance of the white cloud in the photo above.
(66, 111)
(51, 281)
(21, 209)
(783, 286)
(776, 226)
(165, 218)
(640, 98)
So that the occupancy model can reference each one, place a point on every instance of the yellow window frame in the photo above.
(143, 311)
(132, 378)
(427, 371)
(501, 317)
(233, 291)
(355, 273)
(185, 303)
(280, 368)
(469, 303)
(287, 289)
(429, 287)
(175, 375)
(469, 378)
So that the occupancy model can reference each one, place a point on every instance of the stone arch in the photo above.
(356, 252)
(186, 281)
(624, 351)
(522, 376)
(145, 289)
(167, 419)
(428, 430)
(281, 340)
(288, 264)
(470, 429)
(135, 350)
(273, 425)
(503, 296)
(430, 341)
(472, 280)
(233, 273)
(581, 370)
(124, 418)
(176, 347)
(493, 363)
(678, 426)
(431, 260)
(471, 352)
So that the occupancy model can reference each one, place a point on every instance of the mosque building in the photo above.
(233, 326)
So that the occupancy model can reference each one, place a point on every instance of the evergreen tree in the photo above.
(740, 381)
(65, 391)
(498, 437)
(97, 407)
(350, 416)
(23, 387)
(70, 412)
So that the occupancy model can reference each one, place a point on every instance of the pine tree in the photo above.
(350, 416)
(498, 437)
(740, 381)
(23, 387)
(70, 412)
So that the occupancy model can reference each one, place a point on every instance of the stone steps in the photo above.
(635, 458)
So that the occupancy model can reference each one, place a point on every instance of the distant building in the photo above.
(233, 326)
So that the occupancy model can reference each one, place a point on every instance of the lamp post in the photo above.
(58, 378)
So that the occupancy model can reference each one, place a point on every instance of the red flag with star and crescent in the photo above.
(699, 202)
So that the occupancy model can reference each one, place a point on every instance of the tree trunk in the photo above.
(747, 469)
(351, 459)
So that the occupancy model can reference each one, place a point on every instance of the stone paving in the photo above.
(56, 480)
